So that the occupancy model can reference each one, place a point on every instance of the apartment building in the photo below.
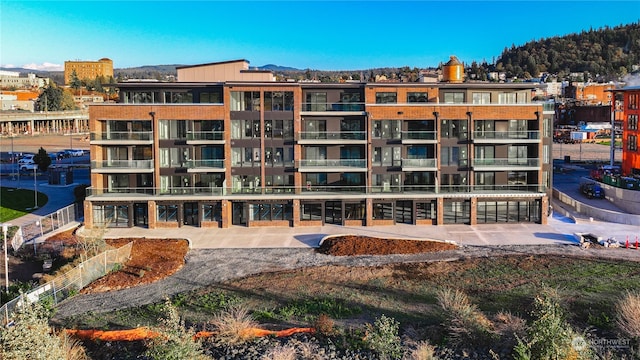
(266, 153)
(88, 70)
(630, 110)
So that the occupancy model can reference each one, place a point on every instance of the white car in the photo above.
(29, 167)
(27, 159)
(74, 152)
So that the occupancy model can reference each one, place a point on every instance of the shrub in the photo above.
(382, 337)
(232, 325)
(324, 325)
(628, 314)
(421, 351)
(466, 323)
(175, 342)
(549, 336)
(30, 337)
(280, 352)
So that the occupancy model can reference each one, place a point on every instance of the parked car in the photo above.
(26, 159)
(592, 190)
(29, 167)
(74, 152)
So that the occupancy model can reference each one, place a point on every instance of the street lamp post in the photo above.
(35, 188)
(5, 227)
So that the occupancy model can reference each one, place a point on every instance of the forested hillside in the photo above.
(605, 53)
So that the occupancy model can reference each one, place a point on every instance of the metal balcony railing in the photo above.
(212, 163)
(122, 164)
(515, 162)
(205, 135)
(419, 135)
(321, 107)
(419, 163)
(359, 163)
(515, 135)
(122, 136)
(332, 135)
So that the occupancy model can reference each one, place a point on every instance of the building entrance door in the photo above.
(404, 212)
(333, 212)
(140, 214)
(190, 212)
(239, 214)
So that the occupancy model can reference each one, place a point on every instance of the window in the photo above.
(481, 98)
(507, 98)
(426, 210)
(485, 180)
(316, 101)
(174, 157)
(417, 97)
(111, 215)
(632, 122)
(545, 154)
(385, 182)
(387, 156)
(211, 212)
(245, 129)
(245, 156)
(278, 100)
(310, 211)
(211, 98)
(354, 211)
(386, 97)
(270, 212)
(456, 212)
(178, 97)
(453, 156)
(454, 98)
(383, 211)
(386, 129)
(172, 129)
(632, 143)
(278, 156)
(517, 155)
(633, 101)
(454, 129)
(517, 178)
(278, 129)
(245, 101)
(167, 213)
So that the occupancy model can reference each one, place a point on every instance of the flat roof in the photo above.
(213, 63)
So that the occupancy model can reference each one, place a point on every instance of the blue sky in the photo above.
(329, 35)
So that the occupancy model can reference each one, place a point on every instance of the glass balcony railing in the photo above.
(287, 190)
(358, 163)
(515, 135)
(419, 163)
(205, 135)
(419, 135)
(213, 163)
(332, 135)
(355, 106)
(515, 162)
(122, 135)
(122, 164)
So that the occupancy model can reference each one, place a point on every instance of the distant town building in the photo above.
(589, 93)
(88, 69)
(12, 79)
(18, 100)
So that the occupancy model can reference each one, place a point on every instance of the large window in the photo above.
(386, 98)
(387, 156)
(178, 97)
(633, 101)
(454, 129)
(383, 210)
(426, 210)
(270, 211)
(632, 122)
(456, 211)
(245, 101)
(417, 97)
(245, 129)
(508, 211)
(481, 98)
(632, 143)
(454, 97)
(167, 212)
(174, 157)
(211, 97)
(278, 100)
(386, 129)
(212, 212)
(311, 211)
(278, 129)
(507, 98)
(453, 156)
(245, 156)
(278, 156)
(172, 129)
(111, 215)
(316, 101)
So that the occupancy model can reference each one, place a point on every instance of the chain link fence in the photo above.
(67, 285)
(44, 225)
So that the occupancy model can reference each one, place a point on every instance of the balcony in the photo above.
(332, 165)
(145, 192)
(419, 137)
(122, 166)
(506, 164)
(506, 137)
(122, 137)
(355, 108)
(331, 137)
(205, 137)
(419, 164)
(211, 165)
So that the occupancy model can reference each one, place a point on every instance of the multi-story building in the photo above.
(630, 111)
(267, 153)
(88, 70)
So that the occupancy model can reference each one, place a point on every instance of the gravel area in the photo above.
(208, 267)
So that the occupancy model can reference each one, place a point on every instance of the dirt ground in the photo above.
(154, 259)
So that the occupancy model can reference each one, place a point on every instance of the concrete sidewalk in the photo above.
(560, 230)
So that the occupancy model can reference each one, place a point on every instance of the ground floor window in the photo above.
(212, 212)
(354, 211)
(111, 215)
(310, 211)
(457, 211)
(426, 210)
(167, 212)
(508, 211)
(383, 211)
(270, 212)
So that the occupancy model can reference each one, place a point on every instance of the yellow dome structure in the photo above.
(453, 71)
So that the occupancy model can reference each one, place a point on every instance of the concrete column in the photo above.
(296, 212)
(88, 214)
(368, 221)
(440, 211)
(152, 214)
(226, 214)
(473, 211)
(544, 212)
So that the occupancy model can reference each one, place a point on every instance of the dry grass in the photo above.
(466, 323)
(232, 326)
(280, 352)
(628, 314)
(324, 325)
(421, 351)
(73, 348)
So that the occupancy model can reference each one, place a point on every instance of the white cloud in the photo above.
(7, 66)
(44, 67)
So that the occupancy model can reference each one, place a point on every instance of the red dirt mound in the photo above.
(362, 245)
